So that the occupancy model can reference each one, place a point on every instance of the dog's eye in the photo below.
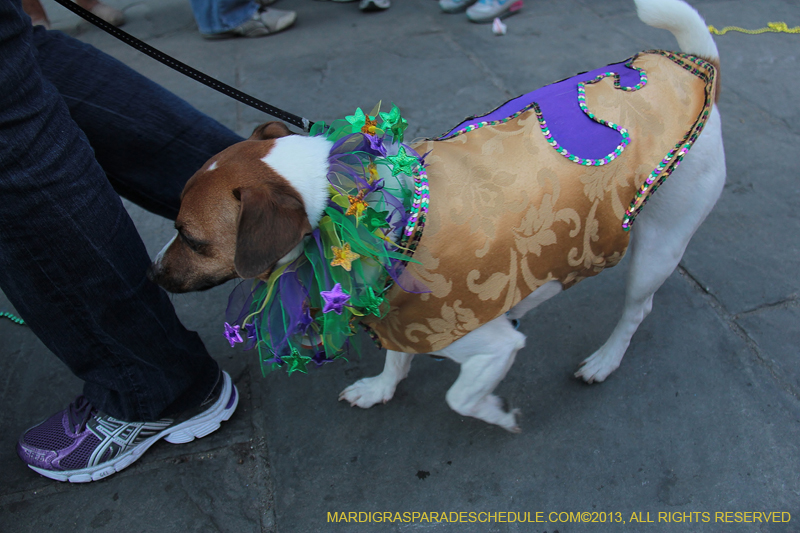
(193, 244)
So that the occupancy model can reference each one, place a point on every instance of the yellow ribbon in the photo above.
(273, 278)
(772, 27)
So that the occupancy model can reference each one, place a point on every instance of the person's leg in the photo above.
(71, 261)
(221, 19)
(147, 140)
(217, 16)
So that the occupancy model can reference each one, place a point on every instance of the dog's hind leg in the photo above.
(659, 237)
(485, 355)
(368, 391)
(535, 299)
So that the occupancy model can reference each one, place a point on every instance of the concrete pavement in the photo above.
(703, 416)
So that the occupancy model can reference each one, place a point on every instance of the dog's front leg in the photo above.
(368, 391)
(486, 355)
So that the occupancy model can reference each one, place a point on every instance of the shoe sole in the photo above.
(513, 9)
(195, 428)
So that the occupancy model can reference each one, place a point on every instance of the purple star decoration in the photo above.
(232, 334)
(376, 143)
(334, 299)
(320, 358)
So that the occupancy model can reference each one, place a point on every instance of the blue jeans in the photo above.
(78, 128)
(217, 16)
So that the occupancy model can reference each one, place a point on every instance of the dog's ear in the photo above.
(272, 221)
(270, 130)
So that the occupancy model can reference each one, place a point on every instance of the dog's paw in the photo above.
(492, 409)
(513, 425)
(597, 367)
(367, 392)
(497, 412)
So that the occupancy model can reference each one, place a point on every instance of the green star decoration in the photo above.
(373, 302)
(374, 219)
(394, 123)
(357, 120)
(296, 361)
(402, 162)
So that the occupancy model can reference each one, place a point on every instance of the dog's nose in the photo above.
(160, 276)
(152, 272)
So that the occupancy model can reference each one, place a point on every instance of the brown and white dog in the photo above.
(250, 207)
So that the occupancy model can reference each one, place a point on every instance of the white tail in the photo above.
(683, 22)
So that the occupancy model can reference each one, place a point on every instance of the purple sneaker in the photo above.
(80, 444)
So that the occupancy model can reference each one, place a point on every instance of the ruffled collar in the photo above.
(308, 309)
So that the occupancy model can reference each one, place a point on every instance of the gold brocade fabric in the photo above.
(508, 213)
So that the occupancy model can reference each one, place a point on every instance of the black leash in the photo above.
(185, 69)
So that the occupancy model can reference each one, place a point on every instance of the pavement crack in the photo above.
(786, 303)
(731, 320)
(31, 493)
(705, 288)
(212, 451)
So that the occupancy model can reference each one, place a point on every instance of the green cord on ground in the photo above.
(772, 27)
(13, 318)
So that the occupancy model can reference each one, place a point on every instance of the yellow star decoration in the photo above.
(370, 126)
(343, 256)
(357, 205)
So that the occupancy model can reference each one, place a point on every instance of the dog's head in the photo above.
(246, 210)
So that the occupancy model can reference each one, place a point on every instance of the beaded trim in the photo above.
(674, 158)
(419, 210)
(473, 127)
(412, 233)
(582, 103)
(15, 319)
(697, 66)
(572, 157)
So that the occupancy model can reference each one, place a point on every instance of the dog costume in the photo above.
(543, 188)
(539, 190)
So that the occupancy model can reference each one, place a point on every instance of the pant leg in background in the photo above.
(217, 16)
